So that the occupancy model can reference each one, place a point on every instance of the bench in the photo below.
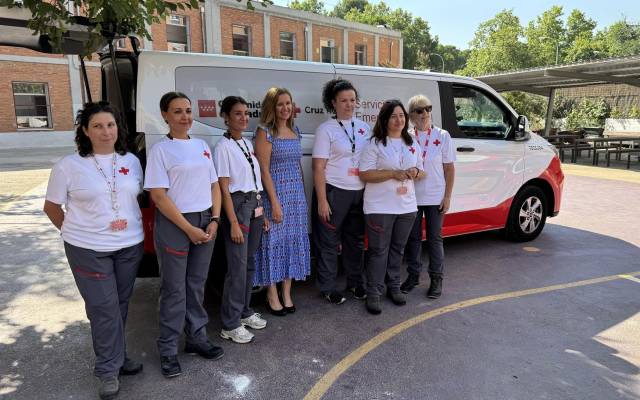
(620, 151)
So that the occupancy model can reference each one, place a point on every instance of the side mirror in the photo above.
(522, 129)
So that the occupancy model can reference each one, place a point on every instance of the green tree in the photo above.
(619, 39)
(497, 46)
(314, 6)
(531, 105)
(579, 38)
(106, 18)
(344, 6)
(546, 37)
(454, 58)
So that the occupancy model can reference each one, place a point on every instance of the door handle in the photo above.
(463, 149)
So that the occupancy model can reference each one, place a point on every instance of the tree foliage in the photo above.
(107, 19)
(344, 6)
(314, 6)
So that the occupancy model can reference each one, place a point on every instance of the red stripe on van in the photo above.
(476, 220)
(555, 177)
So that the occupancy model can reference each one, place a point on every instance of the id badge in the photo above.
(401, 190)
(118, 225)
(354, 171)
(258, 211)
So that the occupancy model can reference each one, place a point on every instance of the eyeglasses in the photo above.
(420, 110)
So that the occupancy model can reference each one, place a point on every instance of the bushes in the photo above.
(588, 113)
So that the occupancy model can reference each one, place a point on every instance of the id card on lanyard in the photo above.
(353, 170)
(259, 210)
(399, 153)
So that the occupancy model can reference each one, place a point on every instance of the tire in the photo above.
(527, 215)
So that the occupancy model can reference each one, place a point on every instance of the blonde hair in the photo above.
(416, 101)
(268, 117)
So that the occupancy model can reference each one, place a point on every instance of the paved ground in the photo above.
(563, 342)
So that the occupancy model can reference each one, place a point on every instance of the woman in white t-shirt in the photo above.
(338, 218)
(389, 165)
(242, 222)
(101, 226)
(184, 187)
(433, 195)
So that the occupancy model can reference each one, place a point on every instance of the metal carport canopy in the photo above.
(544, 80)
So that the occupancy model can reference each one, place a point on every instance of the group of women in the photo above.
(253, 192)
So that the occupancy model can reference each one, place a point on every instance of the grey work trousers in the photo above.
(387, 234)
(435, 248)
(184, 267)
(105, 280)
(241, 266)
(346, 228)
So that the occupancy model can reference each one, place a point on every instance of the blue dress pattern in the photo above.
(284, 250)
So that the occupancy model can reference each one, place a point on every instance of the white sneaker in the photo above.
(254, 321)
(238, 335)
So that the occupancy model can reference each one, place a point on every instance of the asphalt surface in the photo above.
(569, 343)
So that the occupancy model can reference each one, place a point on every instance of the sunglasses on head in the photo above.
(420, 110)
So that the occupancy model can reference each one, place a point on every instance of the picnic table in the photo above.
(611, 145)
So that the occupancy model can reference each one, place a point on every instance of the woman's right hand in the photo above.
(236, 233)
(198, 236)
(324, 211)
(400, 175)
(276, 212)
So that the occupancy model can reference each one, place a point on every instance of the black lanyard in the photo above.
(247, 155)
(353, 132)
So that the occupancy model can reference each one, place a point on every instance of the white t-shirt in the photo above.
(185, 168)
(231, 163)
(437, 149)
(333, 144)
(388, 197)
(76, 183)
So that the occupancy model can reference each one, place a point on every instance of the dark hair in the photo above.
(227, 104)
(332, 88)
(167, 98)
(380, 129)
(83, 143)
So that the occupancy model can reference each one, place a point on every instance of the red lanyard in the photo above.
(426, 142)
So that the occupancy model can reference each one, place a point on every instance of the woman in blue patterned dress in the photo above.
(283, 254)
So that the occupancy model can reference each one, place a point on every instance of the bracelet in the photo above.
(215, 219)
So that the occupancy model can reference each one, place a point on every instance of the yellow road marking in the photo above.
(631, 278)
(325, 383)
(531, 249)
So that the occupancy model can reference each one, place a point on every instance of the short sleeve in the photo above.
(137, 170)
(58, 186)
(448, 150)
(213, 175)
(156, 175)
(369, 157)
(221, 160)
(321, 144)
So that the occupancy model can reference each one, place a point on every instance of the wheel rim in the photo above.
(530, 214)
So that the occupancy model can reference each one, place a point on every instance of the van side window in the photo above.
(478, 115)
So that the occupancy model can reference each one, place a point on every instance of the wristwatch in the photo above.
(215, 219)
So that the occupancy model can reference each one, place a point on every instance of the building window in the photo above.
(287, 45)
(177, 33)
(361, 54)
(33, 109)
(328, 51)
(241, 40)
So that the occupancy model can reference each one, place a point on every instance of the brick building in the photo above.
(41, 92)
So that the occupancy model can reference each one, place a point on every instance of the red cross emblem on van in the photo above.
(207, 108)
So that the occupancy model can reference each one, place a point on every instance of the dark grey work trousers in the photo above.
(435, 248)
(105, 280)
(184, 267)
(387, 235)
(346, 228)
(241, 265)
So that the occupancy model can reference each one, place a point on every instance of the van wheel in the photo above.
(527, 216)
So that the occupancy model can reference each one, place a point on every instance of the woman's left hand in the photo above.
(266, 225)
(413, 172)
(212, 230)
(444, 205)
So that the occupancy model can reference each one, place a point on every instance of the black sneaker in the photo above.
(170, 366)
(435, 288)
(358, 292)
(411, 282)
(335, 298)
(109, 387)
(397, 298)
(206, 350)
(373, 305)
(130, 367)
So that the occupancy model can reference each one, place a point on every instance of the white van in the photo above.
(506, 177)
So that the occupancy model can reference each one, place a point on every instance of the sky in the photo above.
(455, 21)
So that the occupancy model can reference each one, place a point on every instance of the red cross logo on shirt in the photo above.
(412, 150)
(437, 142)
(206, 154)
(361, 131)
(124, 171)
